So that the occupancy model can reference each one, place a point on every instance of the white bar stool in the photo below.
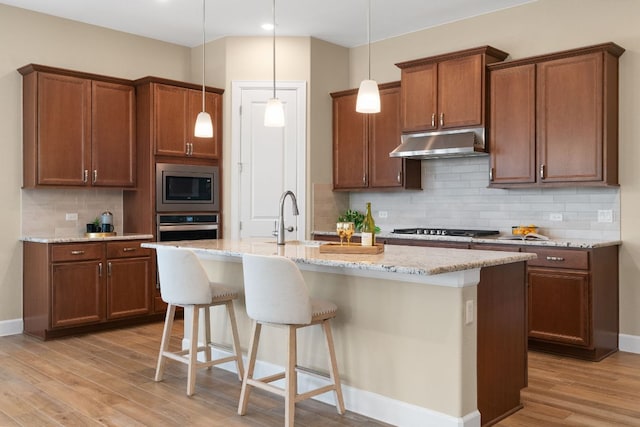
(277, 295)
(184, 283)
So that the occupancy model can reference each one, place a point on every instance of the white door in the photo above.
(268, 161)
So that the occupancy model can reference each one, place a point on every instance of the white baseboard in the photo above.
(629, 343)
(11, 327)
(362, 402)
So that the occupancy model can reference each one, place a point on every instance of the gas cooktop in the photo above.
(445, 232)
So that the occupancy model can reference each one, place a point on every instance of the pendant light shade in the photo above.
(204, 125)
(274, 113)
(368, 100)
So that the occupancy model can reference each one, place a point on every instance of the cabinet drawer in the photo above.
(126, 249)
(559, 258)
(76, 252)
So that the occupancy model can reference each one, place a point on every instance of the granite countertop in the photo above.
(412, 260)
(81, 239)
(561, 243)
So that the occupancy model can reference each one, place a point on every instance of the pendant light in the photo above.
(274, 113)
(204, 126)
(368, 100)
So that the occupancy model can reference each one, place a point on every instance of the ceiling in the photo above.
(343, 22)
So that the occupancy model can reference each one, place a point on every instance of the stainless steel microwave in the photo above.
(187, 188)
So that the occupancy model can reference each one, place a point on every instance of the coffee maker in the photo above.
(106, 222)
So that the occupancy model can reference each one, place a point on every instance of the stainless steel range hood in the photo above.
(435, 145)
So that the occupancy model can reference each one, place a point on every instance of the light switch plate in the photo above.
(555, 217)
(71, 217)
(382, 214)
(605, 215)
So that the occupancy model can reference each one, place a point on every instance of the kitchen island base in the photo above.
(405, 351)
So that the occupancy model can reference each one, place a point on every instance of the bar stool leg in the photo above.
(236, 340)
(291, 379)
(193, 351)
(208, 339)
(248, 373)
(333, 372)
(166, 338)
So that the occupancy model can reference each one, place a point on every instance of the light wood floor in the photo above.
(106, 378)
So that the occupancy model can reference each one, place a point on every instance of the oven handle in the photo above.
(186, 227)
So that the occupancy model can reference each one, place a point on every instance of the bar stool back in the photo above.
(277, 295)
(184, 283)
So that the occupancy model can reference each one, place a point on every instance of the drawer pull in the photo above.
(100, 269)
(129, 249)
(77, 252)
(555, 258)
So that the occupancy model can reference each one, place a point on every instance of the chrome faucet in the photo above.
(280, 231)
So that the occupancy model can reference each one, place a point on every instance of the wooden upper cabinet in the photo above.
(113, 134)
(567, 103)
(362, 143)
(570, 120)
(176, 109)
(61, 130)
(446, 91)
(512, 130)
(78, 130)
(350, 143)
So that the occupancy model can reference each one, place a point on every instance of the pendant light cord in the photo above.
(369, 36)
(274, 48)
(203, 49)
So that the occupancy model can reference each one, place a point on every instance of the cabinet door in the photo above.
(570, 118)
(349, 144)
(77, 293)
(384, 136)
(128, 292)
(460, 90)
(64, 130)
(559, 306)
(419, 99)
(113, 135)
(512, 126)
(207, 148)
(170, 112)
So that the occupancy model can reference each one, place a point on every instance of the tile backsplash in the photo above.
(44, 210)
(455, 195)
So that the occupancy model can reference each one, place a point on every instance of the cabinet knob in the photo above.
(85, 176)
(99, 269)
(433, 120)
(490, 174)
(541, 171)
(109, 269)
(399, 177)
(95, 175)
(364, 179)
(441, 119)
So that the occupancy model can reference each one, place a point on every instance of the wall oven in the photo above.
(172, 228)
(187, 188)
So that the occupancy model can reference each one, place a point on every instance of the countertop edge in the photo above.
(82, 239)
(559, 243)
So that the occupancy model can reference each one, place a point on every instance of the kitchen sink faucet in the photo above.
(280, 231)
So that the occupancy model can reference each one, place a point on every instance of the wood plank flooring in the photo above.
(106, 378)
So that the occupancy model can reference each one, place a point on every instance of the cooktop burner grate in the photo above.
(445, 232)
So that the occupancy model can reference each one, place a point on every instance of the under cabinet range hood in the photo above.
(435, 145)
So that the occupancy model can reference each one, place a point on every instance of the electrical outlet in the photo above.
(605, 215)
(555, 217)
(71, 217)
(382, 214)
(468, 312)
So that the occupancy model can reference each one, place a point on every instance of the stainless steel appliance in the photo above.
(177, 227)
(446, 232)
(187, 188)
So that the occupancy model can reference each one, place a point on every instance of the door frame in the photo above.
(300, 88)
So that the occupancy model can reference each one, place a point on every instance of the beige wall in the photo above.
(27, 37)
(542, 27)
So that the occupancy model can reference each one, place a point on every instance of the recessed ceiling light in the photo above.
(267, 27)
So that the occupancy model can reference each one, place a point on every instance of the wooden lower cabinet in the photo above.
(78, 287)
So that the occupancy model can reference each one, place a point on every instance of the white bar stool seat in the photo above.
(184, 283)
(277, 295)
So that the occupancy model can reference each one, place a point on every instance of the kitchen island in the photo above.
(418, 341)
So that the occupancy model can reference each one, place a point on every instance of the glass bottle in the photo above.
(368, 237)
